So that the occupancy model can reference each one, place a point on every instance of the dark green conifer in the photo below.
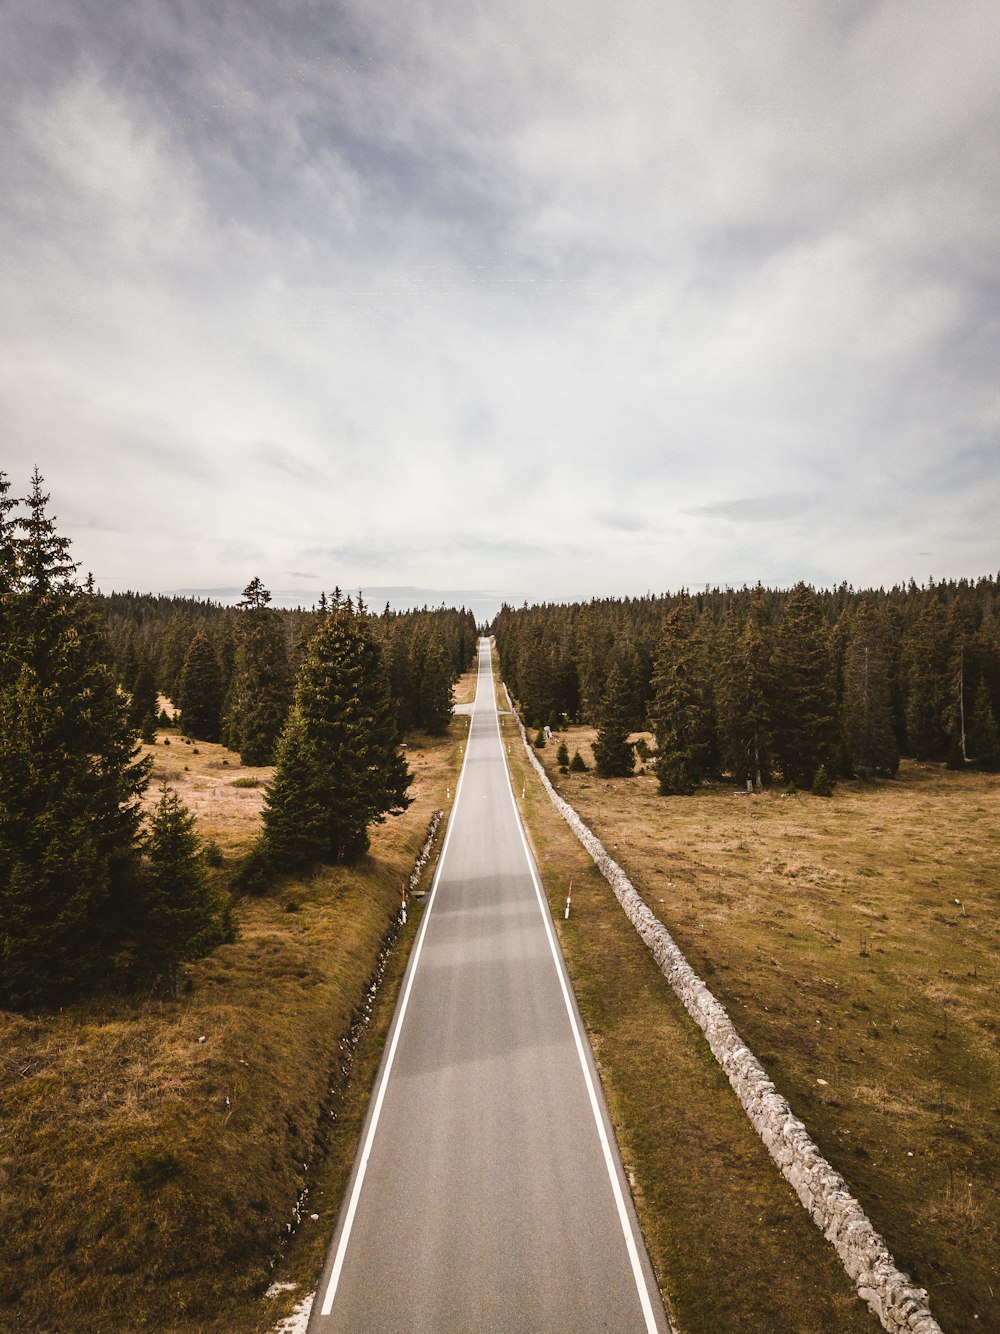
(928, 683)
(199, 690)
(744, 697)
(260, 693)
(69, 782)
(681, 713)
(344, 753)
(182, 916)
(562, 758)
(805, 732)
(436, 681)
(577, 765)
(867, 708)
(613, 753)
(984, 736)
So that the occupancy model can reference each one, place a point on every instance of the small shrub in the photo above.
(822, 786)
(196, 751)
(164, 719)
(562, 757)
(292, 905)
(540, 739)
(246, 782)
(212, 853)
(166, 741)
(642, 748)
(577, 764)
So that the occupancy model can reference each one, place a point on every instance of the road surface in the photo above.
(487, 1194)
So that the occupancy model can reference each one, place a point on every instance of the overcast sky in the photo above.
(550, 298)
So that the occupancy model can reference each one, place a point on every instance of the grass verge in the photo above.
(153, 1154)
(731, 1246)
(855, 942)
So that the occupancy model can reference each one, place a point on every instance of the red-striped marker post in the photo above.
(569, 897)
(402, 892)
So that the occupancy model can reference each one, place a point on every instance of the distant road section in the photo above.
(488, 1194)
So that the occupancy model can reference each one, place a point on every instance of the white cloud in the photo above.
(427, 288)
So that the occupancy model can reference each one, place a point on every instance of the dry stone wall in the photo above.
(897, 1302)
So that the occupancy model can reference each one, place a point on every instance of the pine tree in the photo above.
(577, 765)
(744, 698)
(929, 681)
(613, 753)
(69, 783)
(867, 712)
(260, 693)
(182, 916)
(984, 736)
(344, 753)
(680, 712)
(805, 728)
(436, 682)
(562, 758)
(199, 690)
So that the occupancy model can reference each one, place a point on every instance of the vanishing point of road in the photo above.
(488, 1194)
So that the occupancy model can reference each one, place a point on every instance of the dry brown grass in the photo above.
(151, 1152)
(856, 943)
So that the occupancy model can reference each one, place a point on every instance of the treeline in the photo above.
(798, 685)
(231, 670)
(91, 892)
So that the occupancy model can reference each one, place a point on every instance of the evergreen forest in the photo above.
(798, 686)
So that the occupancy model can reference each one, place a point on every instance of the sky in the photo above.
(525, 299)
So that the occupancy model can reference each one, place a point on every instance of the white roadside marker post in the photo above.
(402, 892)
(569, 897)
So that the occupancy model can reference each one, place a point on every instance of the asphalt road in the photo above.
(487, 1194)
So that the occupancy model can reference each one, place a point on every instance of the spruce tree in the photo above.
(805, 726)
(182, 916)
(867, 711)
(680, 712)
(260, 694)
(744, 697)
(70, 786)
(199, 690)
(984, 736)
(562, 758)
(613, 753)
(436, 681)
(577, 765)
(928, 683)
(340, 750)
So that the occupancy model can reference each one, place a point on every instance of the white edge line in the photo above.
(595, 1107)
(345, 1236)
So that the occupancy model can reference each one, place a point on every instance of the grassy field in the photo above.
(855, 942)
(154, 1154)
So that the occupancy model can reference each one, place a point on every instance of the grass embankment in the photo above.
(153, 1153)
(855, 942)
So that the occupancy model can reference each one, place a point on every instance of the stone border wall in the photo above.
(897, 1302)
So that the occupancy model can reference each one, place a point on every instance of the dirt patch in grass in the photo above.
(855, 942)
(154, 1154)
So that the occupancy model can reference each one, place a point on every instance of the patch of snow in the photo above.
(276, 1289)
(296, 1323)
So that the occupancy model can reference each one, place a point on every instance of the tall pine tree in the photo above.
(70, 785)
(613, 753)
(260, 694)
(199, 690)
(744, 693)
(805, 735)
(681, 712)
(867, 707)
(340, 751)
